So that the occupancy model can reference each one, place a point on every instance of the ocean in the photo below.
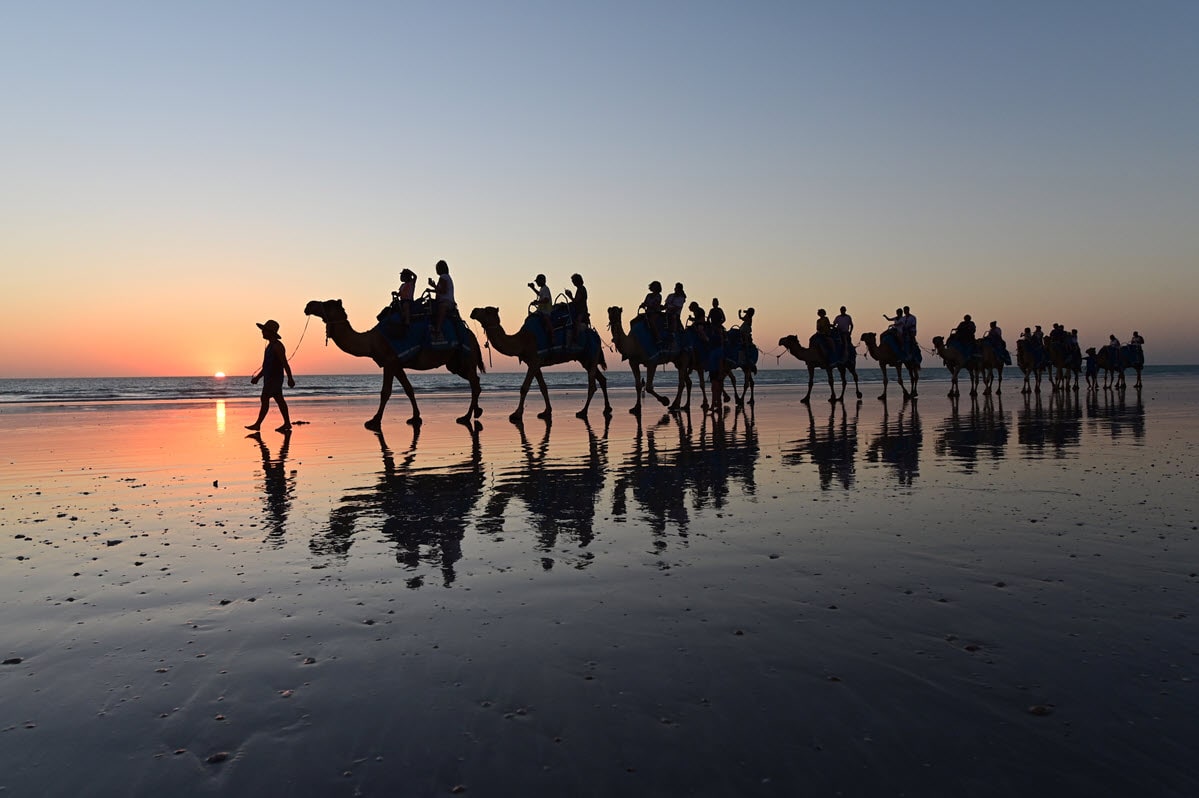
(154, 389)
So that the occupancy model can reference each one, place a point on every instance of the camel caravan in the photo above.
(427, 332)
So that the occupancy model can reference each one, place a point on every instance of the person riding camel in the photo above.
(443, 299)
(747, 325)
(543, 305)
(900, 328)
(843, 323)
(675, 302)
(652, 308)
(824, 329)
(578, 306)
(716, 322)
(402, 299)
(698, 321)
(965, 334)
(994, 337)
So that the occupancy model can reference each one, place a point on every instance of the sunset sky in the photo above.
(174, 172)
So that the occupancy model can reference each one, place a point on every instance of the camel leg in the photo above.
(811, 378)
(545, 394)
(376, 421)
(650, 370)
(637, 386)
(519, 412)
(473, 411)
(603, 384)
(856, 388)
(832, 386)
(406, 384)
(898, 376)
(590, 391)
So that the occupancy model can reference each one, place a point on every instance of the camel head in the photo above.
(789, 341)
(328, 311)
(488, 316)
(938, 342)
(614, 314)
(869, 339)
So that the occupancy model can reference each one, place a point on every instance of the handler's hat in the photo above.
(270, 327)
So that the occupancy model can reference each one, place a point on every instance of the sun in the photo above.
(220, 375)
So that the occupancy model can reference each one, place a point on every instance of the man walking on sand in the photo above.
(274, 366)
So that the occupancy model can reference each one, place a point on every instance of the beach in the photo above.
(989, 596)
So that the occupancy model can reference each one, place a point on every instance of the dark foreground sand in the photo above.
(991, 599)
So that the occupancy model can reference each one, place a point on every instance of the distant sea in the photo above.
(155, 389)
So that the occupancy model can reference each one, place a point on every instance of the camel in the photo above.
(1115, 360)
(741, 353)
(1064, 359)
(887, 358)
(466, 361)
(814, 358)
(631, 350)
(955, 361)
(523, 345)
(1028, 364)
(992, 363)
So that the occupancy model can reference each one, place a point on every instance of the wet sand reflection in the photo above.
(967, 436)
(673, 466)
(558, 494)
(278, 486)
(831, 447)
(423, 512)
(898, 441)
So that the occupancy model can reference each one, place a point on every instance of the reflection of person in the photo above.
(278, 487)
(274, 366)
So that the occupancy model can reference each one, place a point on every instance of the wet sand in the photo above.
(988, 598)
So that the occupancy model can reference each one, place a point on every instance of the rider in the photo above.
(716, 322)
(675, 302)
(964, 333)
(578, 306)
(698, 321)
(994, 337)
(747, 325)
(542, 306)
(405, 296)
(824, 328)
(900, 327)
(652, 306)
(444, 293)
(844, 325)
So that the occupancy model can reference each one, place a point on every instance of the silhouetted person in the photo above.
(542, 307)
(578, 306)
(274, 367)
(444, 288)
(675, 303)
(406, 295)
(716, 322)
(652, 306)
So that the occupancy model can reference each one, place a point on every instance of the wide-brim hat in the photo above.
(270, 327)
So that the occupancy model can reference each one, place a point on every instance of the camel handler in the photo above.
(274, 367)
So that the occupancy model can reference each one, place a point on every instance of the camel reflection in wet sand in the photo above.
(278, 486)
(1050, 428)
(966, 437)
(898, 442)
(1113, 413)
(558, 495)
(424, 512)
(665, 477)
(832, 447)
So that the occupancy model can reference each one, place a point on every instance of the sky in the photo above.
(172, 173)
